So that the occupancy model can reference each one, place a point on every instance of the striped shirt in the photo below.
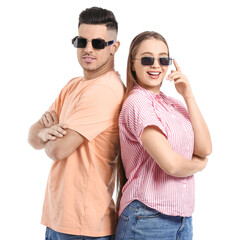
(147, 182)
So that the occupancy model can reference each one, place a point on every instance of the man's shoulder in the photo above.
(111, 79)
(110, 83)
(71, 85)
(74, 81)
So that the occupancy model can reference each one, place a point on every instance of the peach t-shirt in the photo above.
(78, 197)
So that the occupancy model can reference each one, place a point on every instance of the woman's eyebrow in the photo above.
(150, 53)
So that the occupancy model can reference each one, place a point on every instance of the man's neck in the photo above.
(88, 75)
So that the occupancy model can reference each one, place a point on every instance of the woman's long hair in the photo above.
(131, 81)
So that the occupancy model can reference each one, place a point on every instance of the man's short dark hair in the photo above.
(96, 15)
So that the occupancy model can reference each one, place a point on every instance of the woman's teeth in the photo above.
(154, 73)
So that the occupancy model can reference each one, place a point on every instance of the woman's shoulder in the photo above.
(136, 100)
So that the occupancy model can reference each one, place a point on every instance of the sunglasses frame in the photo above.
(105, 44)
(153, 60)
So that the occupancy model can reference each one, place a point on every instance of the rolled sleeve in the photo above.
(140, 114)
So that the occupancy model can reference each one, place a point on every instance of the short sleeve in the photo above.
(139, 113)
(96, 110)
(58, 103)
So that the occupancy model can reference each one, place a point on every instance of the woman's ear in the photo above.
(114, 47)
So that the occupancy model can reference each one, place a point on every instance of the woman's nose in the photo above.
(156, 63)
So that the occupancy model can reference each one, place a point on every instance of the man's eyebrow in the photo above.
(91, 39)
(150, 53)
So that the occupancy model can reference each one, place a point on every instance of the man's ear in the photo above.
(114, 47)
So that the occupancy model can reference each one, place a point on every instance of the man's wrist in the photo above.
(40, 136)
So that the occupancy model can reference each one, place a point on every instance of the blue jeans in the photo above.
(53, 235)
(140, 222)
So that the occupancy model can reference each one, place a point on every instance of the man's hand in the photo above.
(52, 128)
(52, 133)
(49, 119)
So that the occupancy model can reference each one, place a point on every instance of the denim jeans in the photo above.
(140, 222)
(53, 235)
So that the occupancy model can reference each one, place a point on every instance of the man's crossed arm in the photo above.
(57, 140)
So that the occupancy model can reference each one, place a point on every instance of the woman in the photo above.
(162, 146)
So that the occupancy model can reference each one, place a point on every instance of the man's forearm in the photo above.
(58, 142)
(33, 136)
(61, 148)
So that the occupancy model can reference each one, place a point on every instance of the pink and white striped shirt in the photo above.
(147, 182)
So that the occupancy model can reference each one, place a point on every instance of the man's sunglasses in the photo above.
(149, 61)
(98, 43)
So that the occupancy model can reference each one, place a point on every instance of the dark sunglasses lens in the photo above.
(75, 42)
(165, 61)
(147, 61)
(82, 42)
(98, 43)
(79, 42)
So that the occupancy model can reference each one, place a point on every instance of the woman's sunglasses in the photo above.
(149, 61)
(98, 43)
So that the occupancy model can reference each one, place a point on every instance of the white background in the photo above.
(37, 60)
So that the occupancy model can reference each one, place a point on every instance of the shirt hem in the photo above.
(161, 211)
(78, 232)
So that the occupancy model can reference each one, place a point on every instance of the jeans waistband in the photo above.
(137, 204)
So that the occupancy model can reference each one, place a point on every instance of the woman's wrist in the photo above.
(200, 162)
(189, 97)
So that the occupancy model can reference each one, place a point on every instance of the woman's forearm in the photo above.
(183, 167)
(155, 143)
(202, 138)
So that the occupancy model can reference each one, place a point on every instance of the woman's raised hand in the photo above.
(181, 82)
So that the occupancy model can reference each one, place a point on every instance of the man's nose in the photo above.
(89, 47)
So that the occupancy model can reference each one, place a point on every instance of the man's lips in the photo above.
(88, 59)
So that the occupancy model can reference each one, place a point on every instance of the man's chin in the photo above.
(89, 68)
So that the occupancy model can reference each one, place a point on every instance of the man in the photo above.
(80, 133)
